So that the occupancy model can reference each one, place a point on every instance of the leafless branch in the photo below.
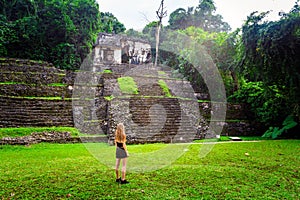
(161, 13)
(145, 17)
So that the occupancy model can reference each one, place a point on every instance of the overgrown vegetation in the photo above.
(128, 85)
(274, 62)
(23, 131)
(109, 98)
(107, 71)
(259, 62)
(165, 88)
(57, 31)
(255, 170)
(268, 109)
(51, 84)
(275, 132)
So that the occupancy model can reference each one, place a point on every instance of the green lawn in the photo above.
(242, 170)
(23, 131)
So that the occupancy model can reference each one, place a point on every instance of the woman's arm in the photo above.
(125, 147)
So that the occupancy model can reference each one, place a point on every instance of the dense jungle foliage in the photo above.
(259, 62)
(58, 31)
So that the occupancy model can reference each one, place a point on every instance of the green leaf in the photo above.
(289, 122)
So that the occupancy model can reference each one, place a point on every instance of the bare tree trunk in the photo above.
(160, 14)
(157, 43)
(235, 80)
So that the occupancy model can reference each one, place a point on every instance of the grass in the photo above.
(57, 84)
(161, 73)
(109, 98)
(251, 138)
(107, 71)
(243, 138)
(23, 131)
(41, 98)
(127, 85)
(165, 88)
(270, 170)
(227, 138)
(51, 84)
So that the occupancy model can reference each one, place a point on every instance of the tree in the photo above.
(270, 54)
(58, 31)
(204, 17)
(220, 47)
(201, 17)
(179, 19)
(14, 10)
(110, 24)
(132, 32)
(150, 29)
(161, 13)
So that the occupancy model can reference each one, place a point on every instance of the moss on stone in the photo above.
(127, 85)
(165, 88)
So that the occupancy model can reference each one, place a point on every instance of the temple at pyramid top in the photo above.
(118, 49)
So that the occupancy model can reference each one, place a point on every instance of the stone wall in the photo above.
(149, 120)
(18, 112)
(28, 85)
(239, 122)
(27, 90)
(34, 138)
(34, 93)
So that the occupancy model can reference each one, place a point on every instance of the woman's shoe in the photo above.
(118, 180)
(124, 182)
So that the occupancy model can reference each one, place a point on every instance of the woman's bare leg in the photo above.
(124, 162)
(117, 167)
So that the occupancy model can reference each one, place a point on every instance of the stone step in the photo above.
(7, 125)
(235, 138)
(35, 118)
(33, 112)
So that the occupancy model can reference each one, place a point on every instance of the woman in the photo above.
(121, 153)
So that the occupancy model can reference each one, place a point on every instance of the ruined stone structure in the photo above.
(34, 138)
(118, 49)
(37, 94)
(25, 94)
(149, 116)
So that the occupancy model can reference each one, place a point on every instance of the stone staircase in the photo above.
(20, 112)
(149, 120)
(148, 117)
(33, 94)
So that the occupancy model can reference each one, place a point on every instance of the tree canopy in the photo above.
(270, 54)
(58, 31)
(259, 62)
(202, 17)
(110, 24)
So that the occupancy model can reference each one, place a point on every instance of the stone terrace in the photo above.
(37, 94)
(33, 94)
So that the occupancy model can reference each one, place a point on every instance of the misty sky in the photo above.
(137, 13)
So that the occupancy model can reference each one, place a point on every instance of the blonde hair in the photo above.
(120, 135)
